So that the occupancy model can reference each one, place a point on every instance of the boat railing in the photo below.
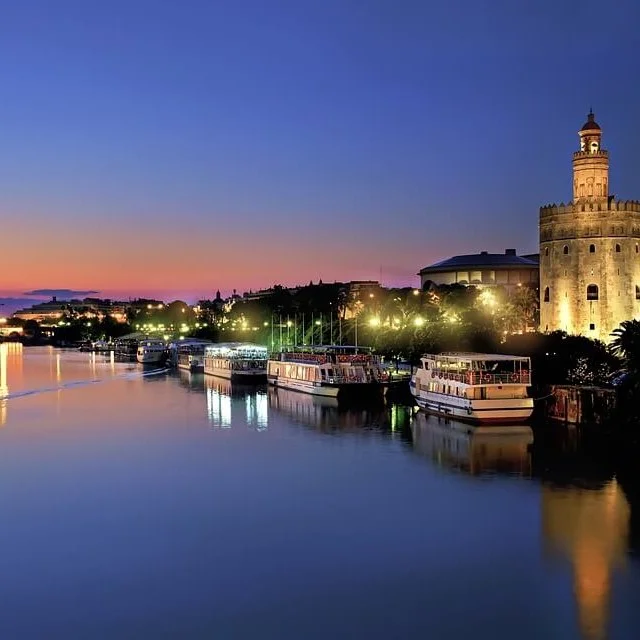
(483, 377)
(308, 358)
(339, 379)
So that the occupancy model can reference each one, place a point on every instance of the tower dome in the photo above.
(590, 124)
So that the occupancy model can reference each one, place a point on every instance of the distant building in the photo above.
(359, 289)
(484, 269)
(53, 310)
(589, 250)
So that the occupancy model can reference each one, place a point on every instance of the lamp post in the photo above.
(330, 324)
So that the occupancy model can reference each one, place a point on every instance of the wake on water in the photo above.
(129, 375)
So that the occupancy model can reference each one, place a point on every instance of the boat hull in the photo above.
(326, 390)
(150, 358)
(478, 412)
(245, 376)
(192, 367)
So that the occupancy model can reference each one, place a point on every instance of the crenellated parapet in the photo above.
(551, 210)
(555, 209)
(588, 154)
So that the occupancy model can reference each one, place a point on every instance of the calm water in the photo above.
(139, 504)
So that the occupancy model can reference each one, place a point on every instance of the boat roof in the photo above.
(323, 348)
(474, 356)
(235, 345)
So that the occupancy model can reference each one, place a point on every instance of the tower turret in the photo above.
(590, 164)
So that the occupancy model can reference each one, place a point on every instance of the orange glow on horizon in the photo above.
(142, 260)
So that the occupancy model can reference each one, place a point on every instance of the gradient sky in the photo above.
(174, 148)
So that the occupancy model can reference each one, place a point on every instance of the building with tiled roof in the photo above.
(484, 269)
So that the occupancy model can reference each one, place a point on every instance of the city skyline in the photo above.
(172, 151)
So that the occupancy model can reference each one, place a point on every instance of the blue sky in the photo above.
(284, 141)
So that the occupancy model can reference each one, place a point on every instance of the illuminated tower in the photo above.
(589, 260)
(590, 164)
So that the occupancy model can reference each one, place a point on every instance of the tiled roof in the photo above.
(481, 260)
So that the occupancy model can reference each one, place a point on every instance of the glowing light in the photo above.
(3, 320)
(374, 322)
(416, 292)
(418, 321)
(487, 298)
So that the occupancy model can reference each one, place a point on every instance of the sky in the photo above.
(174, 148)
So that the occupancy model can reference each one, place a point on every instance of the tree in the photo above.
(626, 344)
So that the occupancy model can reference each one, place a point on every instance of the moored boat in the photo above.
(238, 361)
(190, 355)
(474, 387)
(151, 351)
(333, 371)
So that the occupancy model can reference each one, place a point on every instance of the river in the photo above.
(162, 504)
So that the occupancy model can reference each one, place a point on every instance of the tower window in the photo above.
(592, 327)
(592, 248)
(637, 292)
(592, 292)
(546, 250)
(636, 247)
(546, 294)
(618, 249)
(565, 250)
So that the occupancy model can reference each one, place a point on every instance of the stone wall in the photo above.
(593, 244)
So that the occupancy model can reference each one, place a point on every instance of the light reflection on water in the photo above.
(151, 504)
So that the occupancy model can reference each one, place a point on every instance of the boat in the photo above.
(126, 348)
(474, 387)
(151, 351)
(333, 371)
(101, 346)
(190, 355)
(237, 361)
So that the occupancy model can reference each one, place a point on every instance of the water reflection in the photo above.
(227, 400)
(10, 360)
(590, 528)
(329, 415)
(474, 450)
(191, 381)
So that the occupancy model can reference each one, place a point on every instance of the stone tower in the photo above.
(589, 255)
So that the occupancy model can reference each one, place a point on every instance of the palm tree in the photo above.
(626, 344)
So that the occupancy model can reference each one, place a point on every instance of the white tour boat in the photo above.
(151, 351)
(475, 387)
(190, 355)
(238, 361)
(327, 370)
